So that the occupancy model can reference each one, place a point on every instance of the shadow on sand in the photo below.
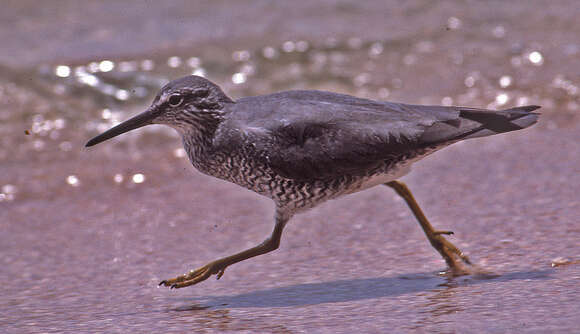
(354, 290)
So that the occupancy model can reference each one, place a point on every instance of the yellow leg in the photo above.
(444, 247)
(219, 266)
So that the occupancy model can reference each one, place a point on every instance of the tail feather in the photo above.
(474, 123)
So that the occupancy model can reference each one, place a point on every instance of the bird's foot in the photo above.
(195, 276)
(454, 257)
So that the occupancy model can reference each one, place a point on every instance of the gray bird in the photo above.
(301, 148)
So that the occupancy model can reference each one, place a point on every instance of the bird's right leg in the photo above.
(447, 250)
(219, 266)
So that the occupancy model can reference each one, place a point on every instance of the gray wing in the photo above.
(311, 135)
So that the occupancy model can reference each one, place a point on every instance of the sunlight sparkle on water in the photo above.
(127, 66)
(199, 72)
(362, 79)
(288, 46)
(536, 58)
(501, 99)
(62, 71)
(106, 113)
(72, 180)
(522, 101)
(248, 69)
(106, 66)
(65, 146)
(93, 67)
(118, 178)
(498, 32)
(122, 94)
(8, 189)
(453, 23)
(193, 62)
(138, 178)
(174, 62)
(241, 55)
(376, 49)
(147, 65)
(302, 46)
(447, 101)
(88, 79)
(38, 145)
(469, 81)
(505, 81)
(238, 78)
(7, 193)
(269, 52)
(179, 153)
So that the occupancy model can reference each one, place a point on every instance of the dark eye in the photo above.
(175, 100)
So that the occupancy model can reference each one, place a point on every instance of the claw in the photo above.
(220, 273)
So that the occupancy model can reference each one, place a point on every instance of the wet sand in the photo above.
(88, 233)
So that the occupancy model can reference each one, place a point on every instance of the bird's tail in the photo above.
(474, 123)
(494, 122)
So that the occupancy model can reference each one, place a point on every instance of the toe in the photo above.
(195, 276)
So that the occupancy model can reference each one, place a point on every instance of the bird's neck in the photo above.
(198, 135)
(198, 141)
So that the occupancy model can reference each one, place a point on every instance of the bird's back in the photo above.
(319, 107)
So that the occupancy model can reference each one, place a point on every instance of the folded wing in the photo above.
(317, 135)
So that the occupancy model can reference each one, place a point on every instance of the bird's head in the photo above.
(190, 103)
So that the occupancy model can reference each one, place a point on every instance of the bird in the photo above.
(301, 148)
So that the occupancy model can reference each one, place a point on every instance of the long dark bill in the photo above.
(138, 121)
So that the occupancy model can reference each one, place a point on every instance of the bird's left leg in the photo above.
(219, 266)
(447, 250)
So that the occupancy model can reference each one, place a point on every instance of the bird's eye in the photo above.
(175, 100)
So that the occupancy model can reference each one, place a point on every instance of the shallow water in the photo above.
(88, 233)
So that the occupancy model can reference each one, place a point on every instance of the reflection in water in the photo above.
(201, 319)
(440, 302)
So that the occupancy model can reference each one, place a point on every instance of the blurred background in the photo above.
(86, 234)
